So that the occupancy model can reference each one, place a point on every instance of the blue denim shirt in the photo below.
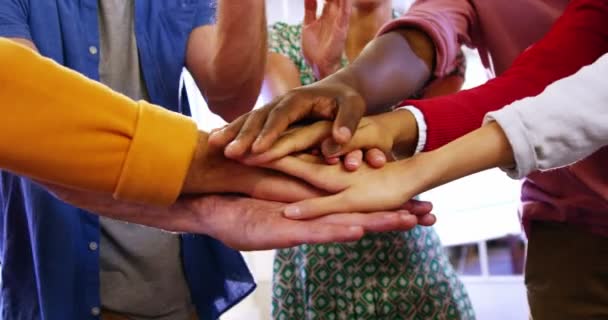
(49, 269)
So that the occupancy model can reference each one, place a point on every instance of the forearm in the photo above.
(391, 68)
(564, 124)
(280, 76)
(110, 145)
(230, 74)
(185, 215)
(577, 39)
(482, 149)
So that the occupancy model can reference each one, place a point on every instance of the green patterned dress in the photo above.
(395, 275)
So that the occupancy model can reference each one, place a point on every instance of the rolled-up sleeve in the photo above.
(136, 151)
(449, 24)
(564, 124)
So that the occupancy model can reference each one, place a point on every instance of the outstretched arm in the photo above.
(564, 124)
(110, 146)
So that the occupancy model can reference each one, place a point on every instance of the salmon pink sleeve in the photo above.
(578, 38)
(448, 23)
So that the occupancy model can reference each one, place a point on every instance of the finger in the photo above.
(398, 221)
(309, 158)
(285, 113)
(330, 148)
(350, 111)
(332, 161)
(214, 130)
(375, 158)
(353, 160)
(247, 135)
(310, 11)
(366, 138)
(294, 141)
(290, 189)
(345, 12)
(307, 171)
(417, 207)
(222, 137)
(317, 207)
(427, 220)
(327, 7)
(350, 200)
(375, 222)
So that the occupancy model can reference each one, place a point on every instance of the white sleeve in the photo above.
(422, 129)
(565, 123)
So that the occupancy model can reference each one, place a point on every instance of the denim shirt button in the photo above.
(95, 311)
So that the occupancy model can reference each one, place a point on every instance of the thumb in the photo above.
(317, 207)
(351, 109)
(363, 140)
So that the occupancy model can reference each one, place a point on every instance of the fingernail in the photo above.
(392, 216)
(354, 229)
(332, 148)
(257, 145)
(405, 216)
(232, 145)
(231, 148)
(292, 212)
(344, 132)
(352, 163)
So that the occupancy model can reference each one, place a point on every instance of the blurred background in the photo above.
(477, 217)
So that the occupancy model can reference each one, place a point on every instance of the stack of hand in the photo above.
(247, 200)
(324, 180)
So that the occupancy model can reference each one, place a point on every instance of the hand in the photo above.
(327, 99)
(211, 172)
(366, 190)
(379, 136)
(324, 38)
(249, 224)
(245, 223)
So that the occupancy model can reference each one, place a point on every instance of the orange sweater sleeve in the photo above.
(60, 127)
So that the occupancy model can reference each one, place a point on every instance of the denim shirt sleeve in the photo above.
(14, 19)
(205, 13)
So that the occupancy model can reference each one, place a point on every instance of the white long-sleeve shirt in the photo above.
(565, 123)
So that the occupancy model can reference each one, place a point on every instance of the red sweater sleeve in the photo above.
(578, 38)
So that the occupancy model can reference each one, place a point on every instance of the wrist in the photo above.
(405, 134)
(322, 71)
(211, 172)
(344, 77)
(193, 183)
(423, 172)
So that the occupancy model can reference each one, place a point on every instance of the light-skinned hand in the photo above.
(324, 37)
(377, 137)
(365, 190)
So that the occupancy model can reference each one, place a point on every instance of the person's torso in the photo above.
(576, 194)
(67, 31)
(506, 28)
(141, 272)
